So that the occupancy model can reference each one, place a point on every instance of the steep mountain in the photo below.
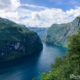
(16, 41)
(58, 34)
(39, 31)
(68, 66)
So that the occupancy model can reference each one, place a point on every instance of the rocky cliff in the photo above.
(16, 41)
(58, 34)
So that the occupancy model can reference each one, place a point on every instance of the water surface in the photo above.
(30, 67)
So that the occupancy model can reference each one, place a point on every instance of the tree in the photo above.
(67, 65)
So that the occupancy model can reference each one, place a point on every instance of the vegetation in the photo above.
(59, 34)
(68, 66)
(12, 31)
(16, 41)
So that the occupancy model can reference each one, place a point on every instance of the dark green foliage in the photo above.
(78, 18)
(16, 41)
(67, 65)
(12, 31)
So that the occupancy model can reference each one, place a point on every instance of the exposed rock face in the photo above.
(16, 41)
(59, 34)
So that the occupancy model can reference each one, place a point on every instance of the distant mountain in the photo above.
(39, 31)
(58, 34)
(16, 41)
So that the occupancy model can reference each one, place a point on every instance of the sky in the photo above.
(40, 13)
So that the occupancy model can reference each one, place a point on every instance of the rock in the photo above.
(16, 41)
(59, 34)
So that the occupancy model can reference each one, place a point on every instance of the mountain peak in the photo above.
(59, 34)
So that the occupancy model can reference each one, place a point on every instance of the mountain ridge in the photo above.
(16, 41)
(59, 34)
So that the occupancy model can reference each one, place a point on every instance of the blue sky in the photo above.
(40, 13)
(63, 4)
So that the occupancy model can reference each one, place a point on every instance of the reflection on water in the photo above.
(26, 69)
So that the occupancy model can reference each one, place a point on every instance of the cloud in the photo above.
(9, 4)
(13, 10)
(33, 6)
(49, 16)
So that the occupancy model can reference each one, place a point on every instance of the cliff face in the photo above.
(16, 41)
(59, 34)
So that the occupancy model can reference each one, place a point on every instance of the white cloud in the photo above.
(12, 9)
(47, 17)
(9, 4)
(33, 6)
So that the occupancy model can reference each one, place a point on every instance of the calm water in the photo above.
(29, 68)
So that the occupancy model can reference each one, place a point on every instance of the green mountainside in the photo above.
(16, 41)
(68, 66)
(58, 34)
